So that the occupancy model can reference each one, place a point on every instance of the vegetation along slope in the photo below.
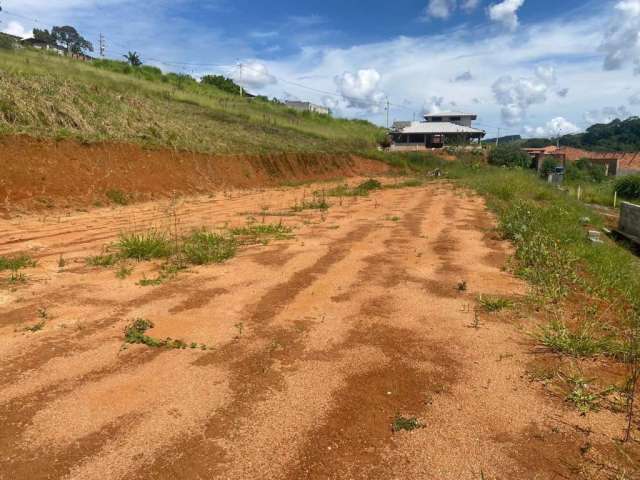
(48, 96)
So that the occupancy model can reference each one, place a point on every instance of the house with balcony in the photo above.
(437, 130)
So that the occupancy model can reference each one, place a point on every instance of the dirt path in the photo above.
(315, 345)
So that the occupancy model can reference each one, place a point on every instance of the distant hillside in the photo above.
(505, 139)
(48, 96)
(617, 136)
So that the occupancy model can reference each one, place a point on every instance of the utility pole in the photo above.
(387, 108)
(240, 82)
(103, 45)
(498, 138)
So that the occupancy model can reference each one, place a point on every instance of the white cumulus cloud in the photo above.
(445, 8)
(361, 90)
(441, 8)
(606, 114)
(506, 13)
(553, 128)
(516, 95)
(253, 74)
(16, 28)
(621, 44)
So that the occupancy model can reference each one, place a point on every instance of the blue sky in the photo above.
(525, 66)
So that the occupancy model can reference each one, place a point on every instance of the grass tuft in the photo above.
(144, 246)
(16, 263)
(494, 304)
(203, 248)
(582, 342)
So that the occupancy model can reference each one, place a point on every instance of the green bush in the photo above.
(510, 155)
(548, 166)
(6, 43)
(584, 170)
(629, 187)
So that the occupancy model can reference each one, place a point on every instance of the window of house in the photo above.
(456, 119)
(436, 119)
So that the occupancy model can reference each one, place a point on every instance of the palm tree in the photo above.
(133, 58)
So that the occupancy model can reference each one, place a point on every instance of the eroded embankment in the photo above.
(42, 174)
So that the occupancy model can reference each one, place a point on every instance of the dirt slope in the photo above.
(315, 345)
(45, 174)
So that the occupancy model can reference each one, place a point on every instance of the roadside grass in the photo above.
(261, 232)
(554, 255)
(586, 340)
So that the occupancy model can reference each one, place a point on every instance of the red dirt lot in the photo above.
(315, 344)
(46, 174)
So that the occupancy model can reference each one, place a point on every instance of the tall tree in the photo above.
(44, 36)
(69, 38)
(133, 58)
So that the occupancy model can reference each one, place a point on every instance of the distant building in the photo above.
(40, 45)
(307, 107)
(436, 131)
(614, 163)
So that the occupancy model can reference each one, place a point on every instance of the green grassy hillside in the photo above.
(44, 95)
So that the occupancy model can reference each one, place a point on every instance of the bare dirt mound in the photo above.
(48, 173)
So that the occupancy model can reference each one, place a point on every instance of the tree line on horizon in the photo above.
(615, 136)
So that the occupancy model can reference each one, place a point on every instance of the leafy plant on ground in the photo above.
(16, 263)
(404, 423)
(36, 327)
(494, 304)
(135, 333)
(124, 271)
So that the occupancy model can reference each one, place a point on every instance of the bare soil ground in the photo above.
(315, 345)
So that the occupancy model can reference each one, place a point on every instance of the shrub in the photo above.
(510, 155)
(6, 43)
(586, 171)
(548, 166)
(629, 187)
(118, 197)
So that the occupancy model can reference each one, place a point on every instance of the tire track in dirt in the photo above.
(206, 458)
